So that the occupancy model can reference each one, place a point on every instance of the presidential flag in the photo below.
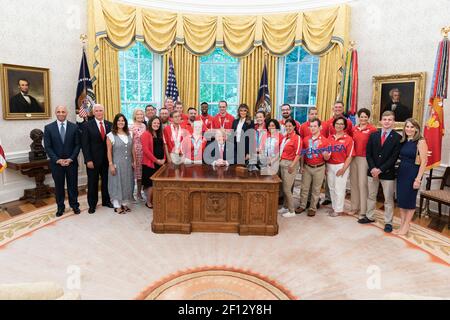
(171, 89)
(263, 101)
(434, 128)
(85, 97)
(2, 159)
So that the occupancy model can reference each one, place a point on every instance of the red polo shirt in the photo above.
(223, 122)
(297, 125)
(360, 139)
(328, 129)
(292, 146)
(207, 121)
(309, 145)
(188, 126)
(342, 148)
(168, 138)
(187, 146)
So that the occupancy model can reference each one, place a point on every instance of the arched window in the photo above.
(219, 80)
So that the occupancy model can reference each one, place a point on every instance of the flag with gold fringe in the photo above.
(434, 128)
(349, 88)
(2, 159)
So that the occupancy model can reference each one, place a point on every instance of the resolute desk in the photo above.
(202, 198)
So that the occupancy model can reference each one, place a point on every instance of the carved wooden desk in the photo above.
(190, 198)
(36, 169)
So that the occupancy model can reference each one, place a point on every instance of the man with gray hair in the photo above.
(93, 141)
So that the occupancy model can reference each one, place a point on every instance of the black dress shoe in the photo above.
(365, 220)
(91, 210)
(326, 202)
(109, 205)
(60, 212)
(76, 210)
(388, 228)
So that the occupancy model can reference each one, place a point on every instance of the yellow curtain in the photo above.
(328, 83)
(186, 66)
(122, 23)
(107, 86)
(251, 71)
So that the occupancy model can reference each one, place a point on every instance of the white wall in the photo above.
(42, 33)
(399, 36)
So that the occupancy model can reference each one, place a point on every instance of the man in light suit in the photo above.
(62, 144)
(23, 102)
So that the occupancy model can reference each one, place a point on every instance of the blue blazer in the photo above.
(54, 146)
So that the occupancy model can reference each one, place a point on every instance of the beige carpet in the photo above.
(110, 256)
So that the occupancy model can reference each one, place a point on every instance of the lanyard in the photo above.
(283, 144)
(196, 145)
(176, 136)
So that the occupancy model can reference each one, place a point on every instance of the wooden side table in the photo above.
(36, 169)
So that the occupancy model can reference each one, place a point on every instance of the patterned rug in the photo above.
(311, 258)
(216, 283)
(25, 224)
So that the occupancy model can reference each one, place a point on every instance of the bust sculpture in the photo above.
(37, 149)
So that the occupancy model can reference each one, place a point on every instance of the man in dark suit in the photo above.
(383, 149)
(62, 144)
(216, 152)
(93, 142)
(23, 102)
(401, 111)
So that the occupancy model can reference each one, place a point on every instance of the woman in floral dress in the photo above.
(137, 129)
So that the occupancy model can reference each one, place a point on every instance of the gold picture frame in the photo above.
(402, 93)
(25, 92)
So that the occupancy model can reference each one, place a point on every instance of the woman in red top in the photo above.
(153, 155)
(337, 166)
(193, 145)
(359, 167)
(290, 150)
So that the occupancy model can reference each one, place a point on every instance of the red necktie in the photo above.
(102, 130)
(383, 138)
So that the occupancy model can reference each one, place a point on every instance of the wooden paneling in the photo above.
(199, 199)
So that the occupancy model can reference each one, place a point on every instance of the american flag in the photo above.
(2, 159)
(171, 89)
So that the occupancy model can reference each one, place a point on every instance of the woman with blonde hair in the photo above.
(413, 162)
(137, 129)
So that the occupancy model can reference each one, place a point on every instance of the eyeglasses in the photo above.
(340, 123)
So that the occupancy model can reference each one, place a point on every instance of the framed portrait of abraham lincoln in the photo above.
(401, 93)
(25, 92)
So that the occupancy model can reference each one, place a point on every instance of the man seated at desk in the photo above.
(217, 156)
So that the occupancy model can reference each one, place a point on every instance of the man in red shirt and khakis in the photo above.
(315, 154)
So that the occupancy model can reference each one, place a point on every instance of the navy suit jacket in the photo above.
(54, 146)
(383, 157)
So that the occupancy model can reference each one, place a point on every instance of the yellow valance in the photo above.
(122, 24)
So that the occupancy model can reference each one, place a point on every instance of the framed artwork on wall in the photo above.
(401, 93)
(25, 92)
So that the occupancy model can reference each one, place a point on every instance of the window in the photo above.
(219, 80)
(136, 79)
(300, 82)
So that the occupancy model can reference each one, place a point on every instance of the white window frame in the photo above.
(281, 83)
(224, 83)
(156, 81)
